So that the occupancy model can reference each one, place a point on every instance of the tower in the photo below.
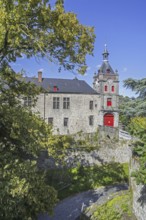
(106, 83)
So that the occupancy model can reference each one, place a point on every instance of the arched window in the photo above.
(113, 88)
(105, 88)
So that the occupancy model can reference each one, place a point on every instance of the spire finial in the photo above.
(105, 53)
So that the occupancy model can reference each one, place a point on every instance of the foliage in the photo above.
(86, 142)
(32, 28)
(137, 125)
(138, 128)
(138, 86)
(23, 135)
(118, 208)
(130, 108)
(127, 108)
(70, 181)
(135, 106)
(36, 28)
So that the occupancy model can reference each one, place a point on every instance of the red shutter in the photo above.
(113, 88)
(105, 88)
(109, 102)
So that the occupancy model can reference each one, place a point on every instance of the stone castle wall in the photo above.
(78, 113)
(120, 153)
(108, 152)
(139, 195)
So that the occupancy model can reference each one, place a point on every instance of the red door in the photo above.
(109, 120)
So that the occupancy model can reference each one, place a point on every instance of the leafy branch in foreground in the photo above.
(23, 135)
(32, 28)
(35, 28)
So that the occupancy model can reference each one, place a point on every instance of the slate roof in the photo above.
(63, 85)
(105, 67)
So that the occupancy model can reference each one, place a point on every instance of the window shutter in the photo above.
(109, 102)
(113, 88)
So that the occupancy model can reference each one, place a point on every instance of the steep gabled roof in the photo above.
(53, 85)
(106, 68)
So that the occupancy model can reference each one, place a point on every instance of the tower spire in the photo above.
(105, 53)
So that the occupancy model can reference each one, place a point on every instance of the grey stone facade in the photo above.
(73, 106)
(78, 114)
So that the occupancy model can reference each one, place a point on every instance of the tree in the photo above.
(138, 125)
(23, 135)
(138, 86)
(33, 28)
(135, 106)
(138, 128)
(127, 108)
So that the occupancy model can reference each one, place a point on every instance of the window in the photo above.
(108, 70)
(91, 120)
(65, 122)
(91, 105)
(105, 88)
(27, 101)
(109, 102)
(66, 103)
(55, 89)
(50, 121)
(56, 102)
(113, 88)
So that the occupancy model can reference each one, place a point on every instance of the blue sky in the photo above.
(121, 24)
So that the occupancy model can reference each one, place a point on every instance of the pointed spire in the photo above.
(105, 53)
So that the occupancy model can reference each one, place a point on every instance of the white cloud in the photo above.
(41, 70)
(125, 69)
(98, 66)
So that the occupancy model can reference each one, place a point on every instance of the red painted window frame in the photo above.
(109, 102)
(55, 88)
(105, 88)
(113, 88)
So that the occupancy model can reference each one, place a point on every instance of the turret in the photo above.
(106, 83)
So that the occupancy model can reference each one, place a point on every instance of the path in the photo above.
(71, 207)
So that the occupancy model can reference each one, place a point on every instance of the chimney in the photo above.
(39, 76)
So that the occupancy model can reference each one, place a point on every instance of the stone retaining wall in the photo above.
(139, 195)
(108, 151)
(120, 153)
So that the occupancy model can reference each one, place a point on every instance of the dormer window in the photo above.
(108, 70)
(55, 89)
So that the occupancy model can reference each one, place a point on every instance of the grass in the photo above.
(70, 181)
(118, 208)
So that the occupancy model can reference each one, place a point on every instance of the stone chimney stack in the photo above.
(39, 76)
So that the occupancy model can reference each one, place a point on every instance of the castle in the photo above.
(71, 105)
